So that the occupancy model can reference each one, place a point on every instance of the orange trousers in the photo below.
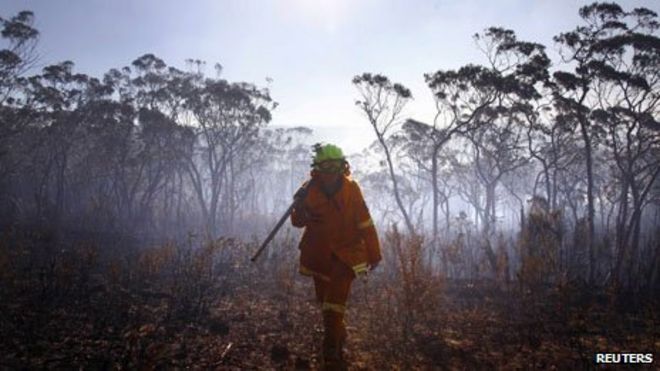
(333, 295)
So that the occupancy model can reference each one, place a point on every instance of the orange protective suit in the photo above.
(339, 242)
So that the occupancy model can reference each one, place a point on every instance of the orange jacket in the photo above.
(339, 225)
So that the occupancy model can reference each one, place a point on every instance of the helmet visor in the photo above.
(331, 166)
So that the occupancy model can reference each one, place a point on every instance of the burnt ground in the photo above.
(137, 314)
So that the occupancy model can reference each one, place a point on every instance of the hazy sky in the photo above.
(310, 48)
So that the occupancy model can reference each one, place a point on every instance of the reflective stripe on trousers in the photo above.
(339, 308)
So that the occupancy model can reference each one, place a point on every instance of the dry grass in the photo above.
(202, 304)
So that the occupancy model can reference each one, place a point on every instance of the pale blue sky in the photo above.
(310, 48)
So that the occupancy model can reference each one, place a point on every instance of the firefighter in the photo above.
(338, 244)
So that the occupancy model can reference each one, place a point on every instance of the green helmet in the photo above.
(327, 152)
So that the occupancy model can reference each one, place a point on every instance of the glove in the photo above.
(300, 194)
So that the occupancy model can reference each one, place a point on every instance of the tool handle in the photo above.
(299, 196)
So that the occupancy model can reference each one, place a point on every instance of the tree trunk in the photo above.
(434, 179)
(395, 187)
(590, 197)
(635, 226)
(489, 214)
(621, 233)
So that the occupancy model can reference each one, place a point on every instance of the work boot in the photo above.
(332, 359)
(333, 341)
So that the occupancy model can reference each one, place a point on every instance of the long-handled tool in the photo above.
(297, 198)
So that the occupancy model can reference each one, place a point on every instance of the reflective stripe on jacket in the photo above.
(339, 225)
